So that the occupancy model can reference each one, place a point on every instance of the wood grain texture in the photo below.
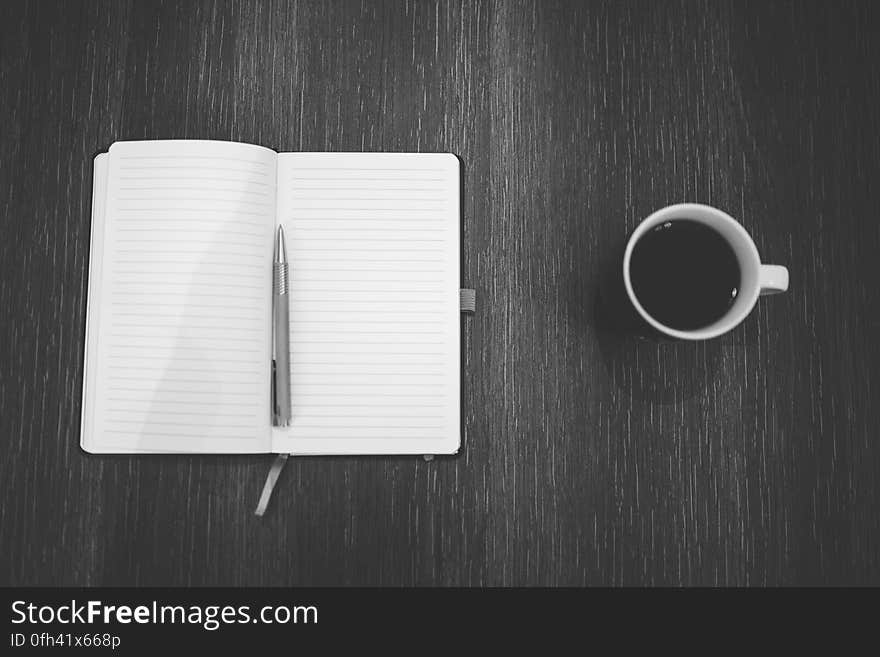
(592, 455)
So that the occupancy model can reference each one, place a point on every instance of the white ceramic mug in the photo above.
(755, 278)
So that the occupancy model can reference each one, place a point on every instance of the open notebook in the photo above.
(179, 330)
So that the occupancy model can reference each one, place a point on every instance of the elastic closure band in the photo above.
(467, 300)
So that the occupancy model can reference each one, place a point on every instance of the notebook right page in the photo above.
(373, 244)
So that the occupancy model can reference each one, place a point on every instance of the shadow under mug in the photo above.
(755, 278)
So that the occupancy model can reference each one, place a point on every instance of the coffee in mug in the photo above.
(693, 272)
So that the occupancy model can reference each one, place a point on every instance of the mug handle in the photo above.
(773, 279)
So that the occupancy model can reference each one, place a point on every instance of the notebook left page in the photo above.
(178, 342)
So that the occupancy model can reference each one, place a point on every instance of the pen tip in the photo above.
(280, 246)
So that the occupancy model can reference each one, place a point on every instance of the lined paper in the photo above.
(373, 243)
(183, 340)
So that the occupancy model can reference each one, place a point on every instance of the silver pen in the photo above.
(281, 333)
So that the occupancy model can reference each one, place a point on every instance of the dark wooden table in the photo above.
(590, 456)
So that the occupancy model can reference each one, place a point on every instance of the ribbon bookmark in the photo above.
(271, 479)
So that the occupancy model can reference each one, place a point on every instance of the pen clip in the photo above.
(274, 397)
